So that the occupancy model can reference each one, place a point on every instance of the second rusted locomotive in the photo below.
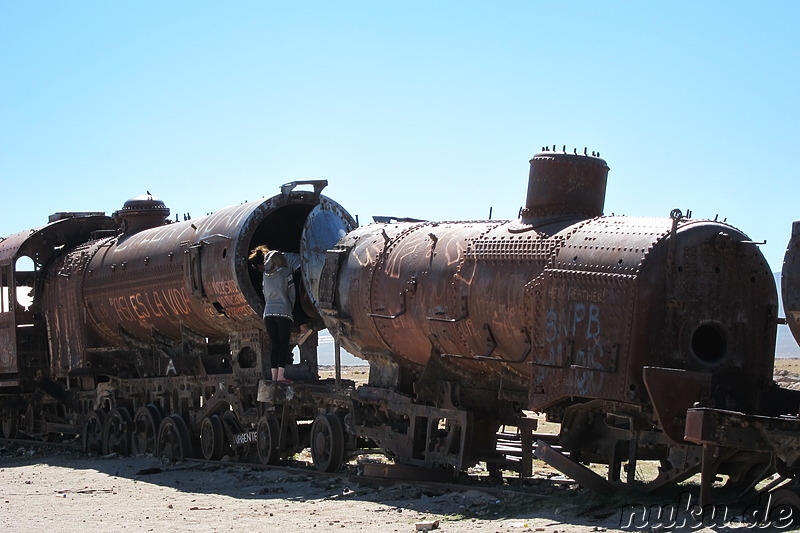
(614, 326)
(145, 336)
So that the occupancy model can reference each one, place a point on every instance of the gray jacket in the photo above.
(278, 285)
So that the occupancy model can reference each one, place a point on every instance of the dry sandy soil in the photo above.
(47, 492)
(49, 489)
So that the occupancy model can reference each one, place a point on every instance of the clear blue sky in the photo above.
(421, 109)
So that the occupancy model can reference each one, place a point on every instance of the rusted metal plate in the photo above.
(673, 392)
(43, 242)
(701, 426)
(8, 349)
(790, 282)
(325, 225)
(62, 299)
(581, 324)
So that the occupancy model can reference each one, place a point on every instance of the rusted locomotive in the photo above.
(614, 326)
(144, 336)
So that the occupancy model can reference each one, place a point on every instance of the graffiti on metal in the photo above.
(140, 307)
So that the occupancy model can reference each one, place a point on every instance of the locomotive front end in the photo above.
(662, 311)
(790, 282)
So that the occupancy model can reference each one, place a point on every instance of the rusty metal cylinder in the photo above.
(790, 282)
(565, 184)
(190, 276)
(401, 292)
(574, 313)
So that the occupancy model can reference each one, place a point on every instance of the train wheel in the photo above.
(785, 506)
(212, 437)
(117, 432)
(327, 443)
(746, 475)
(9, 426)
(92, 432)
(173, 440)
(267, 442)
(146, 421)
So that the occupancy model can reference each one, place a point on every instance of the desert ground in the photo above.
(54, 489)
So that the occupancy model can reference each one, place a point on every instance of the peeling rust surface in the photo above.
(790, 282)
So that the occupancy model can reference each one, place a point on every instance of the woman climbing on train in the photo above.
(277, 283)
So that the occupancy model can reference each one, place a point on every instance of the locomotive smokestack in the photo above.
(565, 184)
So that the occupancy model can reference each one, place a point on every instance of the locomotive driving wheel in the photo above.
(327, 442)
(212, 436)
(146, 422)
(116, 431)
(173, 440)
(789, 499)
(92, 432)
(268, 441)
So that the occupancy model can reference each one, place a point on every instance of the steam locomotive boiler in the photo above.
(614, 326)
(184, 287)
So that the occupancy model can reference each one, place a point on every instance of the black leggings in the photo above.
(278, 329)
